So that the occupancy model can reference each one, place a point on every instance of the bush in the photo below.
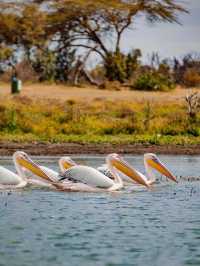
(153, 82)
(115, 67)
(120, 67)
(191, 78)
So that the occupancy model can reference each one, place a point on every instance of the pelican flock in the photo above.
(113, 176)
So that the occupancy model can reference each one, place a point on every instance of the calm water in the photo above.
(158, 227)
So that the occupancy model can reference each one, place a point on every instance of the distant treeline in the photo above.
(44, 40)
(158, 75)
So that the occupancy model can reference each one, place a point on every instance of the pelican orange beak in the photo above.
(126, 169)
(161, 168)
(27, 163)
(65, 163)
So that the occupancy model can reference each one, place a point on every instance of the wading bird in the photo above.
(82, 178)
(127, 172)
(10, 180)
(33, 173)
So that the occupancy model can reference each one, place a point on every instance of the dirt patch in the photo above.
(7, 149)
(89, 93)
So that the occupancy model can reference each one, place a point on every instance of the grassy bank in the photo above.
(23, 119)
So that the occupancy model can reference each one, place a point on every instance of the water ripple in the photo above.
(134, 227)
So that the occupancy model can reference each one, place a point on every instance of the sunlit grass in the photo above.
(25, 120)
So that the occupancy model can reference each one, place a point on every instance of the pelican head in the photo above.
(151, 160)
(22, 160)
(120, 164)
(65, 163)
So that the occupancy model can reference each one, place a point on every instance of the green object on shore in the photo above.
(16, 85)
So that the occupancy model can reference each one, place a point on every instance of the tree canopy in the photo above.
(94, 26)
(89, 23)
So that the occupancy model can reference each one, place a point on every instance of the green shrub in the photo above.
(153, 82)
(194, 131)
(120, 67)
(191, 78)
(115, 66)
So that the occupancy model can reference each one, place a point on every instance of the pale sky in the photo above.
(167, 39)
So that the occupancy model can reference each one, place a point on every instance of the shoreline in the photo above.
(38, 148)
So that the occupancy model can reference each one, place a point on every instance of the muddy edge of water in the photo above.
(37, 148)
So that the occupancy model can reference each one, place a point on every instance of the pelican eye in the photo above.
(155, 160)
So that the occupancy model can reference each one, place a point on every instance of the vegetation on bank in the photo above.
(25, 120)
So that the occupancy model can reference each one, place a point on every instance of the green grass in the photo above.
(25, 120)
(97, 139)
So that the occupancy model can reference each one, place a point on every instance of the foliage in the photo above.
(119, 66)
(5, 57)
(44, 65)
(51, 33)
(5, 53)
(64, 64)
(132, 62)
(27, 119)
(97, 19)
(38, 25)
(187, 71)
(115, 67)
(191, 77)
(153, 81)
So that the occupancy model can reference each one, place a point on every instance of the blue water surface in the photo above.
(156, 227)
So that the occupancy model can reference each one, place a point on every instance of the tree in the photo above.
(74, 24)
(22, 28)
(23, 25)
(89, 24)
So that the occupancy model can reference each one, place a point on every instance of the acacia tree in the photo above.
(22, 28)
(90, 24)
(23, 25)
(94, 26)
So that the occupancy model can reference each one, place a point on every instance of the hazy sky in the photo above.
(167, 39)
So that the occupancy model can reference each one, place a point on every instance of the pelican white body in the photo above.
(9, 178)
(35, 180)
(89, 176)
(53, 175)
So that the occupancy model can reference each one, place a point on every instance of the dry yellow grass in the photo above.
(88, 93)
(120, 118)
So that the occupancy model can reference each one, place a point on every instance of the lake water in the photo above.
(156, 227)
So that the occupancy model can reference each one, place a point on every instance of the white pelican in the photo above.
(10, 180)
(151, 161)
(114, 162)
(128, 173)
(82, 178)
(65, 163)
(94, 178)
(35, 174)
